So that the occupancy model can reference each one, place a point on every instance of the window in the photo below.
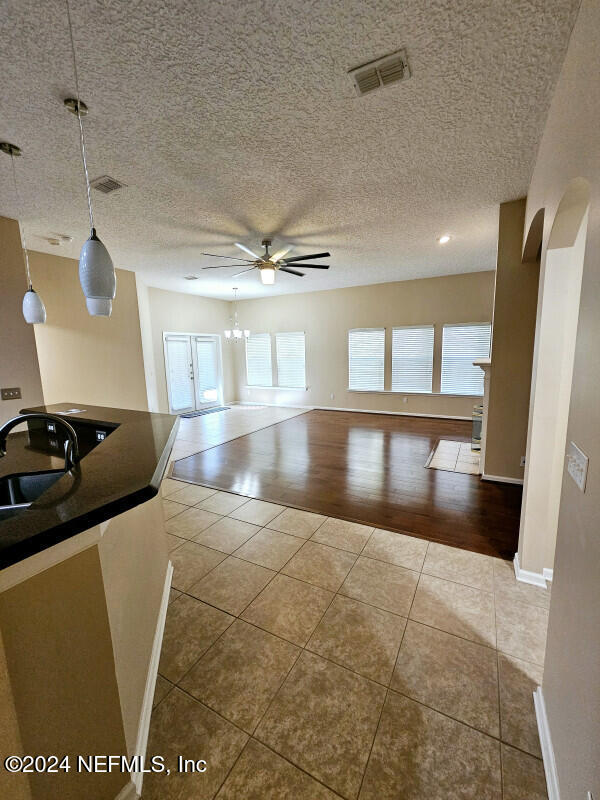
(461, 345)
(259, 371)
(412, 359)
(366, 355)
(291, 373)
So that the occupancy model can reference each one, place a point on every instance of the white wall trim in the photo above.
(357, 410)
(546, 745)
(501, 479)
(548, 574)
(525, 576)
(128, 792)
(146, 712)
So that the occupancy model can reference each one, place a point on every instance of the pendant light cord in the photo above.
(81, 136)
(21, 228)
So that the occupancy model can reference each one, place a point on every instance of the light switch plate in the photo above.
(577, 465)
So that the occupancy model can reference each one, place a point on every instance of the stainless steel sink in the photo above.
(17, 492)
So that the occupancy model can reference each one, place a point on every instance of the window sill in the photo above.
(280, 388)
(412, 394)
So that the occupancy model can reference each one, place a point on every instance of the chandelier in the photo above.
(235, 332)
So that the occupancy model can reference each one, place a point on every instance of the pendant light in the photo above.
(235, 333)
(96, 269)
(34, 310)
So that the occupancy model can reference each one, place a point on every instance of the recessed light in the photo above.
(443, 239)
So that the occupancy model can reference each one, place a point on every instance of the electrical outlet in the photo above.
(522, 464)
(14, 393)
(577, 465)
(331, 396)
(405, 399)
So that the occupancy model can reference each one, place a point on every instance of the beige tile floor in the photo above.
(455, 457)
(209, 430)
(306, 657)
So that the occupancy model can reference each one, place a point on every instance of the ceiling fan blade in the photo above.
(246, 250)
(291, 271)
(281, 253)
(223, 266)
(303, 258)
(243, 272)
(229, 258)
(314, 266)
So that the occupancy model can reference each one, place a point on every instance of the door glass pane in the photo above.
(179, 370)
(207, 379)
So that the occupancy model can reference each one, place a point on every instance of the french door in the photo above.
(193, 371)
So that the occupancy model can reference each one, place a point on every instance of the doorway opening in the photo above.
(554, 355)
(193, 368)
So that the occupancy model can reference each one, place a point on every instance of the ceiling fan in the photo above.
(268, 264)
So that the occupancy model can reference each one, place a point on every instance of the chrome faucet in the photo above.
(71, 445)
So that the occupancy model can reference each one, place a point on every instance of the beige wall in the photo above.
(327, 316)
(86, 359)
(18, 355)
(185, 313)
(568, 150)
(133, 557)
(59, 655)
(515, 304)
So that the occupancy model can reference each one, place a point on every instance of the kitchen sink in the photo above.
(17, 492)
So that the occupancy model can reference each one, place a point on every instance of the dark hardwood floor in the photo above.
(366, 468)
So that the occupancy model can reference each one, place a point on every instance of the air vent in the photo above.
(106, 184)
(381, 72)
(190, 277)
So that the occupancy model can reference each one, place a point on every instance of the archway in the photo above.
(554, 351)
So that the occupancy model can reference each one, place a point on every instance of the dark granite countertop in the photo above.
(119, 473)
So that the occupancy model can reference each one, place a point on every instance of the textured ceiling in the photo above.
(232, 120)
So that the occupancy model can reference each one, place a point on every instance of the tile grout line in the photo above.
(387, 691)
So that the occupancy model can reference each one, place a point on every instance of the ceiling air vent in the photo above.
(381, 72)
(106, 184)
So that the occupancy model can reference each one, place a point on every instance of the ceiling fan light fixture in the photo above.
(267, 275)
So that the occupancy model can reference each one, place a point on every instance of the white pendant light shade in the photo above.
(267, 275)
(98, 306)
(97, 276)
(33, 307)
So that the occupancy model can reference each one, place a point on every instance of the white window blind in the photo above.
(366, 357)
(179, 373)
(259, 369)
(412, 359)
(461, 345)
(291, 368)
(207, 373)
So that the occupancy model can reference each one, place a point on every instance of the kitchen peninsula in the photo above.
(84, 585)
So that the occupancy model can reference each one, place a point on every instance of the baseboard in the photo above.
(525, 576)
(146, 713)
(128, 792)
(355, 410)
(546, 745)
(548, 574)
(501, 479)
